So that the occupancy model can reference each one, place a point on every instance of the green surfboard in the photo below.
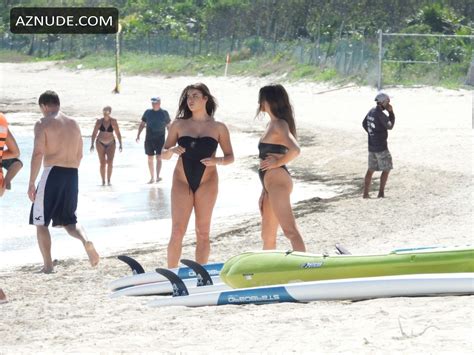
(260, 268)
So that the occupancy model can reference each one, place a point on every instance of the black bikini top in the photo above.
(197, 148)
(265, 148)
(103, 129)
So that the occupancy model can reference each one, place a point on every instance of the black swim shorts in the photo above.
(154, 144)
(7, 163)
(56, 197)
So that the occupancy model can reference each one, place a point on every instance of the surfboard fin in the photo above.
(179, 288)
(342, 250)
(203, 277)
(134, 265)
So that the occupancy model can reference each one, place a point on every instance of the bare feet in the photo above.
(103, 183)
(92, 254)
(381, 195)
(151, 181)
(109, 184)
(159, 179)
(3, 297)
(366, 196)
(46, 270)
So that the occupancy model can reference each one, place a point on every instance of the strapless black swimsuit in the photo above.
(197, 148)
(264, 149)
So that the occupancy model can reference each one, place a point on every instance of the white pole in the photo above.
(117, 61)
(227, 61)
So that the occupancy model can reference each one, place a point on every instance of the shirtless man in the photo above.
(55, 197)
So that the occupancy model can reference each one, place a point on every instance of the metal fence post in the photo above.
(379, 74)
(439, 58)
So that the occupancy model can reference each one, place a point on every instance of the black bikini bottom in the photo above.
(106, 145)
(261, 174)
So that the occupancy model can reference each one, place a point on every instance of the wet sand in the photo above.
(428, 202)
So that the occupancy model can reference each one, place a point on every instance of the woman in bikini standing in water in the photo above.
(277, 147)
(194, 135)
(105, 127)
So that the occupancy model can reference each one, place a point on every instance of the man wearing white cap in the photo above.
(377, 124)
(157, 122)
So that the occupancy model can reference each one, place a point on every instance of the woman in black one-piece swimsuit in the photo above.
(277, 147)
(194, 135)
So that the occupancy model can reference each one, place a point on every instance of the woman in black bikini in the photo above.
(104, 130)
(194, 135)
(277, 147)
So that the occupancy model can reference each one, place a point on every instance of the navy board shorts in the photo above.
(380, 161)
(56, 197)
(154, 144)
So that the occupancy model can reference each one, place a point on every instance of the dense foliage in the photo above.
(340, 34)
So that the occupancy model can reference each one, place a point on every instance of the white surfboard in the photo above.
(165, 287)
(152, 277)
(342, 289)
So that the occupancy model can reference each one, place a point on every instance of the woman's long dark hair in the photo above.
(183, 110)
(277, 98)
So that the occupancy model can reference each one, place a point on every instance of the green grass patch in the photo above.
(14, 57)
(314, 73)
(450, 76)
(283, 66)
(139, 63)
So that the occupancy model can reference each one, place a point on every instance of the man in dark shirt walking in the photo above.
(377, 124)
(157, 122)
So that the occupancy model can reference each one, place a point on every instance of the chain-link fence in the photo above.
(406, 59)
(424, 58)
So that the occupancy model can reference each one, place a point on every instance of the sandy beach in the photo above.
(428, 202)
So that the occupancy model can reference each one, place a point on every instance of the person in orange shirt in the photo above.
(6, 139)
(10, 154)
